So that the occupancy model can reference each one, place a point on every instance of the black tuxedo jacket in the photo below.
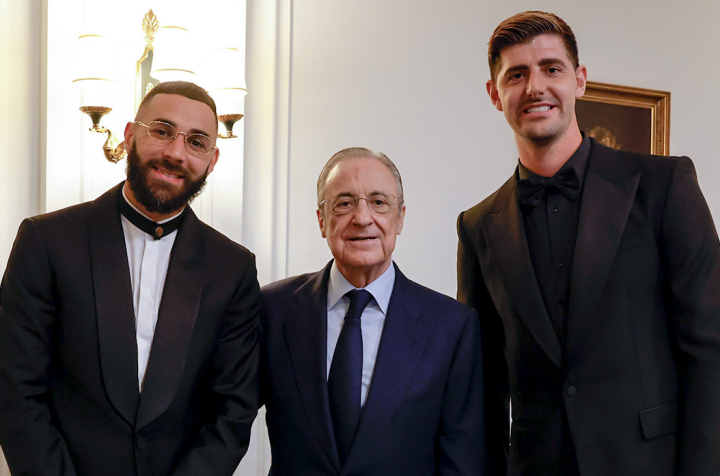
(639, 377)
(69, 398)
(423, 414)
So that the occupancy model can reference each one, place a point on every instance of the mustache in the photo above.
(167, 165)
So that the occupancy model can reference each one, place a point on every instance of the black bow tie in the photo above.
(156, 230)
(532, 190)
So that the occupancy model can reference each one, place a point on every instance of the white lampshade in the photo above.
(96, 72)
(224, 69)
(173, 56)
(229, 101)
(224, 77)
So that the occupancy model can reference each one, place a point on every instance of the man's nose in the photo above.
(176, 148)
(363, 213)
(535, 85)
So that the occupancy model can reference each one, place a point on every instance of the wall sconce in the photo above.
(225, 77)
(166, 58)
(113, 150)
(97, 83)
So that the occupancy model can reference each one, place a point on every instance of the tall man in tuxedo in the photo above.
(128, 333)
(363, 371)
(596, 274)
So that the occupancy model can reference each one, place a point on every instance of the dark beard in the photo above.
(160, 197)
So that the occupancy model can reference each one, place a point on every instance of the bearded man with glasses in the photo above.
(364, 371)
(128, 327)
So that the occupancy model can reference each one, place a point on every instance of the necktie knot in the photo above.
(532, 190)
(359, 299)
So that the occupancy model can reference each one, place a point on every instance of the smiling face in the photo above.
(362, 241)
(536, 88)
(163, 178)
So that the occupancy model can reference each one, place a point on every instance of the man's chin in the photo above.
(162, 197)
(541, 136)
(165, 189)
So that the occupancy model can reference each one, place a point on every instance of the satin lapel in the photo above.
(114, 304)
(506, 237)
(608, 195)
(401, 345)
(176, 320)
(305, 330)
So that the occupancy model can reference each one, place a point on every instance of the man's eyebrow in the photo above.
(349, 194)
(552, 61)
(166, 121)
(516, 68)
(542, 62)
(172, 123)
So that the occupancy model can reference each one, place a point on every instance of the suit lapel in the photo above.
(176, 321)
(506, 237)
(608, 195)
(306, 339)
(403, 340)
(114, 304)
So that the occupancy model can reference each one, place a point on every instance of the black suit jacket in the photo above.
(69, 398)
(639, 378)
(423, 414)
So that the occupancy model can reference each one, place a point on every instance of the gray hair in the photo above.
(357, 152)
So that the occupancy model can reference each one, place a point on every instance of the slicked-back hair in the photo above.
(357, 152)
(181, 88)
(522, 28)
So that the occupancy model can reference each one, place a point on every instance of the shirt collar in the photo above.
(578, 161)
(141, 213)
(381, 289)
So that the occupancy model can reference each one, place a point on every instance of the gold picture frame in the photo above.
(627, 118)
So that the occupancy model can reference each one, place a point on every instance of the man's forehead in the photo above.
(180, 111)
(548, 45)
(366, 169)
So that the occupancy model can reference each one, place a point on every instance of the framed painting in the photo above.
(626, 118)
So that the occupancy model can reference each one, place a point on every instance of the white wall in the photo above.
(21, 71)
(21, 68)
(408, 78)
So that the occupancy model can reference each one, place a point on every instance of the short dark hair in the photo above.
(181, 88)
(522, 28)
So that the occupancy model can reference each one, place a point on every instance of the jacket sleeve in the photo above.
(32, 445)
(691, 253)
(473, 292)
(461, 435)
(223, 442)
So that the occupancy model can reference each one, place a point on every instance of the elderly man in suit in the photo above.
(365, 372)
(597, 274)
(128, 333)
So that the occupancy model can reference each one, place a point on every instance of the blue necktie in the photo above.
(345, 379)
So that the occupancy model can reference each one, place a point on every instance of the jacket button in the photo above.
(139, 443)
(570, 391)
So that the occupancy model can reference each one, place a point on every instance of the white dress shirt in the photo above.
(372, 320)
(148, 260)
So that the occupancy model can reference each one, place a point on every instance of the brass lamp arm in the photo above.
(114, 151)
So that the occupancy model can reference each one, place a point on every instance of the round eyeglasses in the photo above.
(380, 203)
(163, 133)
